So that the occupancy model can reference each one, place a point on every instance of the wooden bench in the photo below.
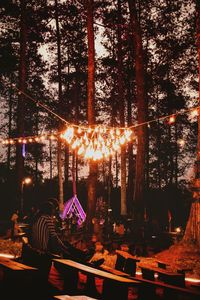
(17, 278)
(112, 284)
(126, 262)
(169, 291)
(162, 264)
(149, 288)
(195, 285)
(169, 277)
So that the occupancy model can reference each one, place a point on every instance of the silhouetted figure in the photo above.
(44, 244)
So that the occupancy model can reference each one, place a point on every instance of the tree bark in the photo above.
(142, 112)
(92, 178)
(192, 232)
(60, 100)
(121, 110)
(21, 100)
(10, 123)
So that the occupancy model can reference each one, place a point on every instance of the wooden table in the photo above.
(19, 281)
(112, 284)
(10, 264)
(174, 278)
(148, 288)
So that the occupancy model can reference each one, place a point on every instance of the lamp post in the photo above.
(25, 181)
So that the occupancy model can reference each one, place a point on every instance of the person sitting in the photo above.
(44, 244)
(15, 229)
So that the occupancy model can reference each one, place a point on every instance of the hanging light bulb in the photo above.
(69, 134)
(118, 131)
(181, 142)
(194, 113)
(79, 130)
(81, 150)
(172, 119)
(122, 140)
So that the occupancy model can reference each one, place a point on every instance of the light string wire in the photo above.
(38, 103)
(45, 107)
(182, 111)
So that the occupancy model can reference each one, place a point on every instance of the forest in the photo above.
(100, 69)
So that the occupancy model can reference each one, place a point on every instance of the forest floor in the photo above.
(182, 255)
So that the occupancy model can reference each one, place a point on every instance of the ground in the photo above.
(183, 255)
(7, 246)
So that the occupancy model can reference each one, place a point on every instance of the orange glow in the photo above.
(188, 279)
(96, 142)
(181, 143)
(172, 119)
(194, 113)
(6, 255)
(194, 280)
(27, 180)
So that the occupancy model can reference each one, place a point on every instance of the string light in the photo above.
(94, 142)
(181, 143)
(172, 119)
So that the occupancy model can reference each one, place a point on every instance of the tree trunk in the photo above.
(50, 160)
(60, 100)
(131, 163)
(110, 183)
(121, 110)
(66, 149)
(116, 170)
(60, 175)
(198, 49)
(142, 111)
(21, 100)
(74, 173)
(9, 124)
(66, 166)
(92, 178)
(192, 232)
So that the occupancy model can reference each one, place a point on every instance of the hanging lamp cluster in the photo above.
(97, 142)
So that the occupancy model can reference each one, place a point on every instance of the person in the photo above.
(99, 255)
(14, 224)
(45, 244)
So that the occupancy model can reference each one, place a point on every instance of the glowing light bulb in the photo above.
(194, 113)
(181, 142)
(69, 134)
(81, 150)
(79, 130)
(172, 119)
(118, 131)
(122, 140)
